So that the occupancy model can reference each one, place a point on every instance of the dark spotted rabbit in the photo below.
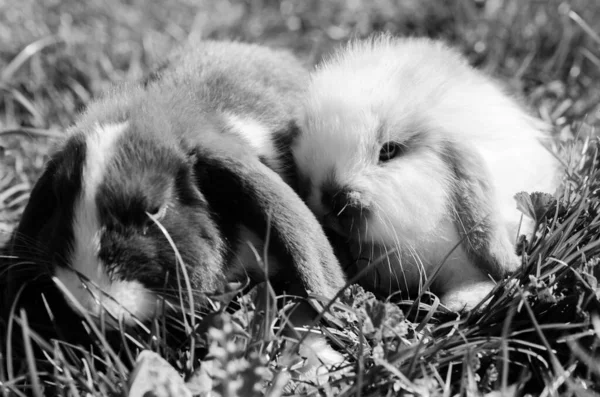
(194, 154)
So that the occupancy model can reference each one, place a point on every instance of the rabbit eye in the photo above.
(157, 212)
(389, 150)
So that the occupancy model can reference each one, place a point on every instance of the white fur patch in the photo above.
(320, 359)
(255, 133)
(87, 231)
(120, 299)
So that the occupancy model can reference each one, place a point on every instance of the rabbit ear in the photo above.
(240, 189)
(38, 239)
(40, 235)
(476, 215)
(39, 209)
(54, 191)
(24, 246)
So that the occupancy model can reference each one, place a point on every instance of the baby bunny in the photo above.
(176, 166)
(405, 152)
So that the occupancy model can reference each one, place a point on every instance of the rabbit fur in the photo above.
(456, 148)
(196, 152)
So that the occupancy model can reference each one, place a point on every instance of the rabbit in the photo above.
(196, 155)
(411, 158)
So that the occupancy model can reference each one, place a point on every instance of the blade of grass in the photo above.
(33, 374)
(504, 346)
(584, 25)
(21, 187)
(31, 132)
(90, 323)
(9, 333)
(3, 379)
(592, 363)
(66, 368)
(188, 285)
(29, 105)
(404, 381)
(558, 369)
(9, 71)
(124, 335)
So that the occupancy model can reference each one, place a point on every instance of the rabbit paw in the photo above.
(318, 360)
(467, 296)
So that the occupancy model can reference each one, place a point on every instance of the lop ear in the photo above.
(240, 189)
(477, 216)
(38, 210)
(41, 235)
(55, 191)
(24, 244)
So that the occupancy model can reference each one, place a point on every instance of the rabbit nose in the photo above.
(342, 202)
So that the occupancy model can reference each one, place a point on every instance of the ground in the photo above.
(542, 328)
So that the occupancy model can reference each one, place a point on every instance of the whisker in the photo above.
(387, 222)
(23, 241)
(398, 246)
(342, 210)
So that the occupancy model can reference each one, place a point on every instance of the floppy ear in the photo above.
(476, 214)
(55, 190)
(38, 211)
(243, 190)
(24, 244)
(42, 234)
(52, 197)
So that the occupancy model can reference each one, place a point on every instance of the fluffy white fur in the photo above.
(254, 132)
(424, 94)
(122, 298)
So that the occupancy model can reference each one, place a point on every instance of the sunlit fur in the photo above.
(424, 95)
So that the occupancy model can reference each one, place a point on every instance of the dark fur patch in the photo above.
(144, 174)
(340, 202)
(233, 203)
(264, 160)
(39, 236)
(282, 141)
(244, 191)
(42, 240)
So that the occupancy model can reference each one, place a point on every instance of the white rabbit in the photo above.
(405, 149)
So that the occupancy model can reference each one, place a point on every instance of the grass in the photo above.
(542, 327)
